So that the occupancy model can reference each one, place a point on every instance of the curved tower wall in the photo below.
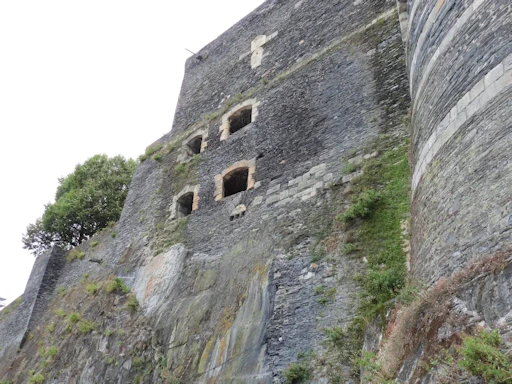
(459, 56)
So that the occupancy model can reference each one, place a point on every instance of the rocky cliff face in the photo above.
(265, 239)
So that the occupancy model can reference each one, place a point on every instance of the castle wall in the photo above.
(459, 56)
(223, 68)
(38, 292)
(241, 305)
(232, 296)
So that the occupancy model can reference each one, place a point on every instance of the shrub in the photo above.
(52, 351)
(368, 362)
(150, 151)
(297, 373)
(362, 206)
(327, 294)
(137, 363)
(180, 168)
(75, 317)
(318, 253)
(107, 332)
(84, 278)
(94, 244)
(109, 360)
(384, 283)
(334, 335)
(92, 288)
(60, 312)
(132, 303)
(36, 378)
(482, 357)
(86, 326)
(348, 168)
(116, 285)
(319, 290)
(74, 254)
(50, 327)
(348, 248)
(48, 352)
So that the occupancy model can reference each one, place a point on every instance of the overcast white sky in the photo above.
(79, 78)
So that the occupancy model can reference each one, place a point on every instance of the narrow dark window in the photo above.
(195, 144)
(240, 119)
(184, 204)
(236, 181)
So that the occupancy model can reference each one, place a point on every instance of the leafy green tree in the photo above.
(86, 201)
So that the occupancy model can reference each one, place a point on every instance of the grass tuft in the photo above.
(362, 206)
(116, 285)
(74, 254)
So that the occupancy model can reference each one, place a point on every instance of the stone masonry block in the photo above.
(328, 178)
(463, 103)
(284, 194)
(283, 202)
(303, 185)
(274, 189)
(295, 181)
(477, 89)
(272, 199)
(494, 74)
(257, 200)
(304, 193)
(320, 173)
(504, 81)
(356, 160)
(371, 155)
(318, 168)
(507, 63)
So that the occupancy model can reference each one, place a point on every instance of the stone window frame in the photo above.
(225, 127)
(250, 165)
(185, 151)
(187, 189)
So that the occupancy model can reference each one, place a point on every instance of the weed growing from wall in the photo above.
(383, 199)
(379, 204)
(185, 173)
(74, 254)
(150, 151)
(116, 285)
(169, 234)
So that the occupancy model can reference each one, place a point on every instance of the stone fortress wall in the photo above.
(38, 292)
(459, 56)
(235, 302)
(238, 302)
